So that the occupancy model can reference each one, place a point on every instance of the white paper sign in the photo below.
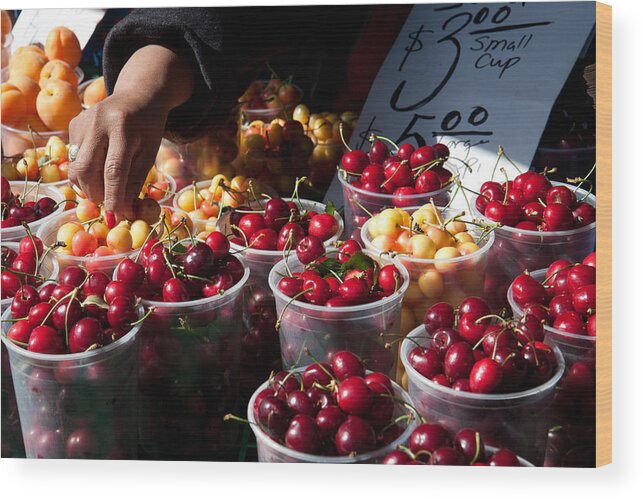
(33, 25)
(475, 76)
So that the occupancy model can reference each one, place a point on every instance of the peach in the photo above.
(27, 48)
(63, 44)
(95, 92)
(29, 89)
(57, 70)
(14, 105)
(28, 63)
(36, 123)
(57, 104)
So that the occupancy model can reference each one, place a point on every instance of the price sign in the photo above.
(474, 77)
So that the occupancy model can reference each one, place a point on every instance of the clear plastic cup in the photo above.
(574, 406)
(48, 270)
(362, 329)
(267, 115)
(188, 376)
(168, 198)
(34, 192)
(48, 234)
(6, 54)
(519, 421)
(517, 250)
(271, 451)
(79, 405)
(448, 280)
(360, 204)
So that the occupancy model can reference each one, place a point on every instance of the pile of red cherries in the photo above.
(15, 210)
(345, 278)
(280, 225)
(565, 300)
(176, 273)
(433, 444)
(472, 350)
(531, 202)
(330, 409)
(81, 311)
(22, 266)
(407, 172)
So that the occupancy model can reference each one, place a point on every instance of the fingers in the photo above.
(86, 170)
(141, 164)
(116, 174)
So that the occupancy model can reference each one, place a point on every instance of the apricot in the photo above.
(29, 89)
(28, 63)
(27, 48)
(14, 105)
(57, 70)
(95, 92)
(57, 104)
(36, 123)
(63, 44)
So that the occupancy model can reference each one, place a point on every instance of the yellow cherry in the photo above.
(431, 283)
(422, 246)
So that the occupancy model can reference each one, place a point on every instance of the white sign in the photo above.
(475, 76)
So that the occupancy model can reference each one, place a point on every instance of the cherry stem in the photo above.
(478, 448)
(309, 354)
(71, 299)
(341, 136)
(403, 162)
(145, 316)
(504, 172)
(281, 315)
(372, 138)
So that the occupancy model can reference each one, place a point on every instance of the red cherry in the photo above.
(31, 246)
(45, 339)
(584, 214)
(66, 313)
(10, 284)
(309, 249)
(346, 364)
(355, 161)
(389, 279)
(439, 315)
(218, 243)
(20, 331)
(354, 396)
(535, 187)
(560, 194)
(303, 435)
(426, 362)
(590, 259)
(85, 333)
(130, 273)
(422, 156)
(319, 291)
(72, 276)
(264, 239)
(118, 288)
(580, 275)
(289, 236)
(38, 313)
(398, 174)
(373, 174)
(25, 298)
(175, 291)
(428, 437)
(378, 152)
(290, 286)
(355, 436)
(558, 217)
(221, 280)
(570, 322)
(584, 299)
(404, 196)
(526, 289)
(323, 225)
(503, 457)
(347, 250)
(486, 376)
(427, 181)
(353, 289)
(591, 325)
(471, 330)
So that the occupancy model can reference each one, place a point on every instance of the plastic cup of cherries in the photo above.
(392, 176)
(336, 412)
(72, 345)
(190, 348)
(472, 368)
(338, 299)
(541, 221)
(563, 298)
(30, 203)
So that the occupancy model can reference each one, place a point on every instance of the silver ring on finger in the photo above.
(73, 152)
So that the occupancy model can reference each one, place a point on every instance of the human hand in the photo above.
(119, 137)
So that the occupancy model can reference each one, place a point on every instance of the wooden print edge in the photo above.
(604, 233)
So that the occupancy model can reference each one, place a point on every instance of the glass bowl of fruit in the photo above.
(21, 264)
(475, 369)
(382, 179)
(48, 164)
(267, 100)
(445, 254)
(434, 444)
(345, 300)
(563, 298)
(542, 221)
(190, 344)
(29, 202)
(89, 236)
(68, 356)
(349, 416)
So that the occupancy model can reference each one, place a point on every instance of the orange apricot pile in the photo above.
(42, 89)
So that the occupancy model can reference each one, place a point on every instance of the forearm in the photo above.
(155, 74)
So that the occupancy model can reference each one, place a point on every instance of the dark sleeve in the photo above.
(193, 33)
(228, 48)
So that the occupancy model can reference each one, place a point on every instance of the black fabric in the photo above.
(230, 47)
